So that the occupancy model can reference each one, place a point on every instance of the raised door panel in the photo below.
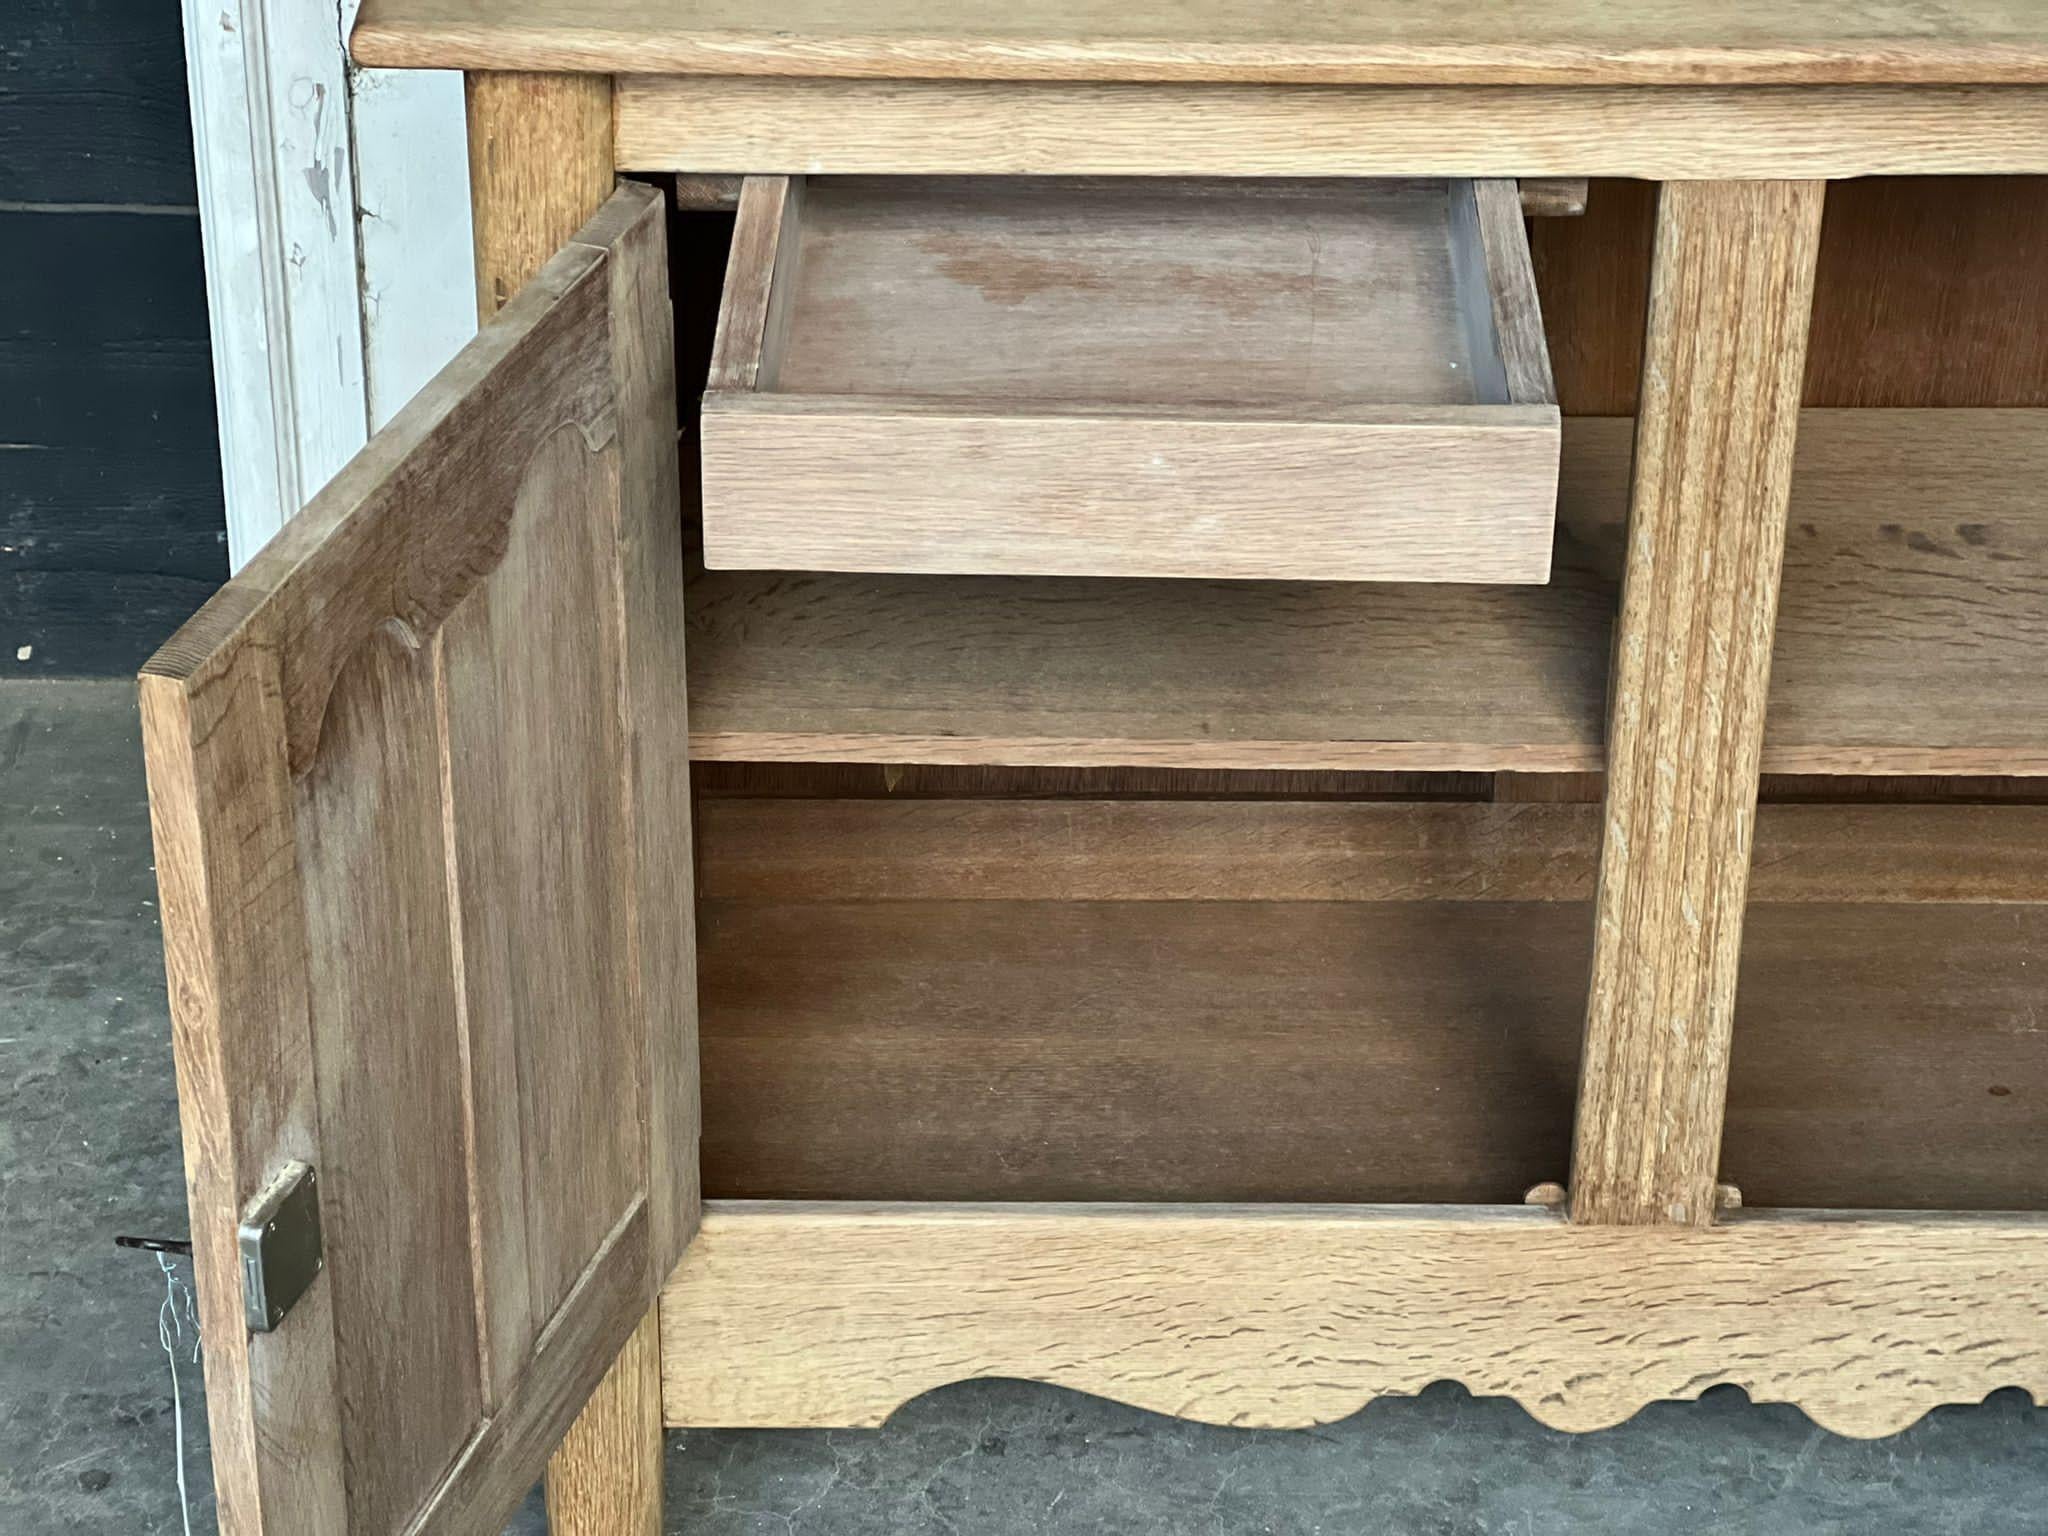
(419, 783)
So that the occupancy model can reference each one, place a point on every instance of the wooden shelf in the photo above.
(1912, 638)
(976, 1000)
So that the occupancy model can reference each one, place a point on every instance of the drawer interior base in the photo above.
(1171, 292)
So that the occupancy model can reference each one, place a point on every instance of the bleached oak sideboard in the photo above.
(1228, 683)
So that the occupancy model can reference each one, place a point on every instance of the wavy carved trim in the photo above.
(814, 1315)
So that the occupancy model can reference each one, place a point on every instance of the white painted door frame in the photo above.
(334, 211)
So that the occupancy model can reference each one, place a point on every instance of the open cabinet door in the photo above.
(419, 784)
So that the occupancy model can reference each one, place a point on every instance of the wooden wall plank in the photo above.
(110, 490)
(1929, 294)
(1362, 1001)
(1731, 287)
(778, 851)
(1138, 1050)
(93, 107)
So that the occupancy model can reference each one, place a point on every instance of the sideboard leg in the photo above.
(540, 163)
(605, 1479)
(1731, 291)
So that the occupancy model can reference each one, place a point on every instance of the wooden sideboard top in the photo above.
(1381, 42)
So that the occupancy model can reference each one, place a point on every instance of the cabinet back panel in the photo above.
(1931, 292)
(1353, 1002)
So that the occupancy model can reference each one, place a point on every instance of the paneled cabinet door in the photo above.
(419, 783)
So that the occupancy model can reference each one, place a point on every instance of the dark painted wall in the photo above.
(111, 525)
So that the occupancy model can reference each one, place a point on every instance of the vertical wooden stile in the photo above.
(540, 150)
(1730, 296)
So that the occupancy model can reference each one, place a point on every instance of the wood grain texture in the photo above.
(389, 1052)
(767, 240)
(426, 672)
(1593, 281)
(606, 1479)
(1553, 197)
(1380, 42)
(657, 864)
(947, 999)
(780, 851)
(1114, 290)
(1658, 133)
(808, 1315)
(540, 163)
(1510, 289)
(221, 814)
(1730, 293)
(497, 1467)
(1383, 493)
(1900, 521)
(1929, 294)
(1130, 378)
(98, 112)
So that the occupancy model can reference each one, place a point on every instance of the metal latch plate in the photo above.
(279, 1239)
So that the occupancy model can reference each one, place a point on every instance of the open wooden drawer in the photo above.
(1025, 376)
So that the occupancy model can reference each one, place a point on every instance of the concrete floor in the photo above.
(89, 1148)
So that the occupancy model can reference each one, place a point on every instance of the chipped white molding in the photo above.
(275, 130)
(416, 251)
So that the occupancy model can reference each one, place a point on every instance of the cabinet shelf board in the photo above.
(1912, 639)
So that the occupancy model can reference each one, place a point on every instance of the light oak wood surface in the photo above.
(1131, 378)
(606, 1477)
(222, 818)
(540, 163)
(812, 1315)
(1157, 291)
(971, 999)
(1731, 290)
(1381, 42)
(1383, 493)
(429, 665)
(1899, 520)
(847, 127)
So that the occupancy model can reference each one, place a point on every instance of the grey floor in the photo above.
(89, 1148)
